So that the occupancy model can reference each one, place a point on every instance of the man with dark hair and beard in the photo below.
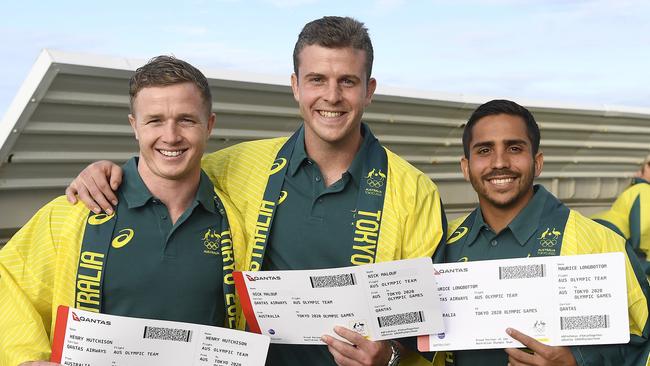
(501, 159)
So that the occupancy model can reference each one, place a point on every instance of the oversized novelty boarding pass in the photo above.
(560, 301)
(83, 338)
(379, 301)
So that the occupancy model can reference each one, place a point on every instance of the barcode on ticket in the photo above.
(401, 319)
(522, 271)
(168, 334)
(584, 322)
(339, 280)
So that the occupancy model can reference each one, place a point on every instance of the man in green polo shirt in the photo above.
(328, 196)
(167, 251)
(517, 219)
(629, 216)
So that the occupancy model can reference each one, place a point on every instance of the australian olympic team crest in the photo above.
(548, 240)
(211, 242)
(375, 179)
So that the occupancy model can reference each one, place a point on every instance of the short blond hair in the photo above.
(168, 70)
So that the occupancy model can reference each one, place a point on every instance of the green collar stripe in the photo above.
(94, 248)
(370, 203)
(228, 258)
(270, 201)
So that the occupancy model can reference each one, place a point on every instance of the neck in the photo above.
(177, 195)
(498, 217)
(332, 159)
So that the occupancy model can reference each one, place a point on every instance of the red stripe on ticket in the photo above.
(246, 305)
(59, 333)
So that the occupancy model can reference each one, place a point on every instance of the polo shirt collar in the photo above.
(137, 194)
(299, 154)
(205, 195)
(135, 191)
(638, 180)
(357, 164)
(477, 226)
(524, 225)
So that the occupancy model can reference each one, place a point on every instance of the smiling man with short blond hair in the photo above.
(167, 251)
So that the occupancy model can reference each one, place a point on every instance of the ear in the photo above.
(294, 87)
(464, 167)
(370, 90)
(539, 163)
(133, 122)
(211, 122)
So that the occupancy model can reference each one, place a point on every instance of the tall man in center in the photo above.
(330, 195)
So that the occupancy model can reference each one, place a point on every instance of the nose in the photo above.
(500, 159)
(171, 133)
(333, 94)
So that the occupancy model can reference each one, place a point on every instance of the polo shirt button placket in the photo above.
(494, 242)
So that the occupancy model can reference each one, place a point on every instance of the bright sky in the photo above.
(586, 52)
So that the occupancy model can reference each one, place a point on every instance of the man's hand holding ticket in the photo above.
(558, 301)
(379, 301)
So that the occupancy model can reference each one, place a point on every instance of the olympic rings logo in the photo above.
(547, 243)
(374, 183)
(212, 245)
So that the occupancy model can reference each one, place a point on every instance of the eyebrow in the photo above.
(506, 142)
(152, 116)
(313, 74)
(180, 115)
(346, 76)
(190, 115)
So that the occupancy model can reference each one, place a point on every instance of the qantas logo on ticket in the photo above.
(448, 270)
(262, 278)
(77, 318)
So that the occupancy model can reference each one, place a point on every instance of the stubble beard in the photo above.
(484, 195)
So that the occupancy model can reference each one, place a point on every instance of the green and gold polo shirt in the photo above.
(302, 235)
(156, 269)
(547, 227)
(311, 230)
(536, 231)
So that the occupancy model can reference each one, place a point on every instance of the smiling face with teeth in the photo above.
(332, 89)
(501, 166)
(172, 126)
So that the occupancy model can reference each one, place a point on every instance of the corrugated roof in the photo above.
(71, 110)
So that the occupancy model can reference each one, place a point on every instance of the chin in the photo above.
(505, 202)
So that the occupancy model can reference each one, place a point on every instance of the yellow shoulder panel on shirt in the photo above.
(411, 225)
(37, 273)
(585, 236)
(453, 231)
